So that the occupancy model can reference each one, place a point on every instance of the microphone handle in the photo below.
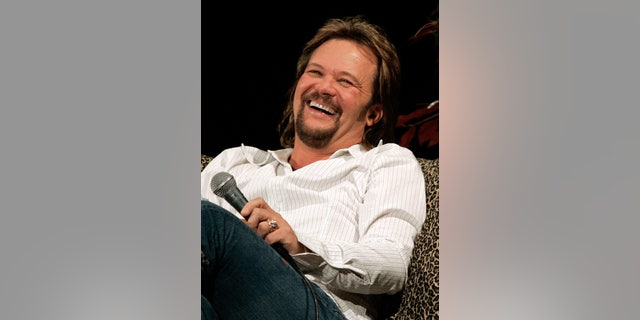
(285, 255)
(236, 199)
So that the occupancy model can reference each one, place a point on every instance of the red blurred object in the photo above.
(419, 130)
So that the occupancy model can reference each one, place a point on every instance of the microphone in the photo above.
(224, 185)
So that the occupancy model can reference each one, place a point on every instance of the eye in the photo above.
(345, 82)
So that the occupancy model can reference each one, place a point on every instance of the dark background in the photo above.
(250, 54)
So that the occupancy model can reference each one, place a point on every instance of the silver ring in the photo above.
(273, 225)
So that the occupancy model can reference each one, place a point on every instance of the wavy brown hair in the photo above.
(386, 85)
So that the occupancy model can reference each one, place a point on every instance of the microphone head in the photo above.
(222, 183)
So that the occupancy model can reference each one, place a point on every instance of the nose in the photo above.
(326, 86)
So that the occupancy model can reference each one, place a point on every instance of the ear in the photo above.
(374, 114)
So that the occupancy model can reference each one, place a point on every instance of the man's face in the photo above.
(332, 94)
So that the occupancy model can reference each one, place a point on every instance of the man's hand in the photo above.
(270, 225)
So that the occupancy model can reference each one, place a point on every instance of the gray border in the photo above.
(539, 154)
(100, 139)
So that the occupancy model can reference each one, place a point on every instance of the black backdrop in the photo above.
(250, 53)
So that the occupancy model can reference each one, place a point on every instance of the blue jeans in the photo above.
(242, 277)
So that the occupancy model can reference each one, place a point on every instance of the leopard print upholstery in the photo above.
(204, 161)
(420, 297)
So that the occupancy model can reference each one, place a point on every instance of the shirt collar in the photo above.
(281, 155)
(355, 150)
(261, 157)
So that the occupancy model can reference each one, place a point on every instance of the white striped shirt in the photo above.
(358, 211)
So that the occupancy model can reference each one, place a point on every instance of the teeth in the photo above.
(323, 108)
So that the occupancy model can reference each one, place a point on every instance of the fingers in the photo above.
(249, 208)
(267, 223)
(266, 227)
(260, 217)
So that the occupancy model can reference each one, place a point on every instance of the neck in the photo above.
(302, 156)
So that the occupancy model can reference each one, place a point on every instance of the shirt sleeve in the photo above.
(389, 218)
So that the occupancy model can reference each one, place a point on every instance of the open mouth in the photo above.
(322, 108)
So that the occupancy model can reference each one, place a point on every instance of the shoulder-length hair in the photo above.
(386, 84)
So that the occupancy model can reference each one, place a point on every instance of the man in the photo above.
(340, 198)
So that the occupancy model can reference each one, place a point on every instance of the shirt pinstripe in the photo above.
(358, 211)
